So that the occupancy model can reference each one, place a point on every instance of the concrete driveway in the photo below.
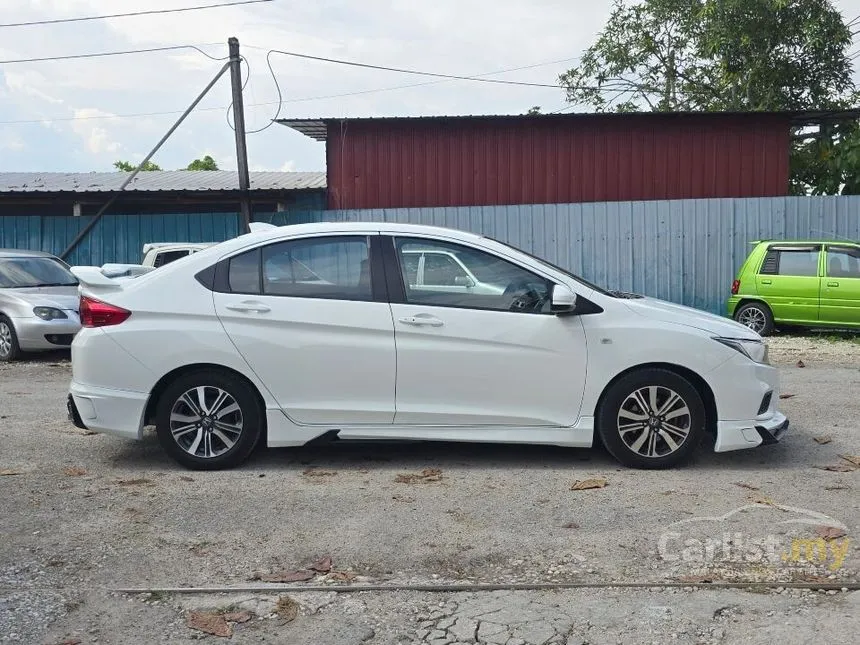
(86, 515)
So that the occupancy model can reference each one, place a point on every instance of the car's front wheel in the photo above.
(651, 418)
(209, 420)
(9, 348)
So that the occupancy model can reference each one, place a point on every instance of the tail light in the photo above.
(736, 286)
(95, 313)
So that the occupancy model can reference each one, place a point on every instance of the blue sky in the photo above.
(61, 116)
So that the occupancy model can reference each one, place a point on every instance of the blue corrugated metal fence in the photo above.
(683, 251)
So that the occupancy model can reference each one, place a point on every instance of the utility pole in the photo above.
(239, 125)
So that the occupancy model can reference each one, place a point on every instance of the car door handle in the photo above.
(767, 282)
(832, 284)
(249, 307)
(421, 321)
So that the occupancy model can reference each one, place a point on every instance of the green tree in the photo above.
(206, 163)
(707, 55)
(125, 166)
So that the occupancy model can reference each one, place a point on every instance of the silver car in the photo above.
(38, 303)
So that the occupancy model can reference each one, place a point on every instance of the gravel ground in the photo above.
(88, 514)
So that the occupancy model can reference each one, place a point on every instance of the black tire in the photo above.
(622, 442)
(756, 311)
(9, 350)
(250, 418)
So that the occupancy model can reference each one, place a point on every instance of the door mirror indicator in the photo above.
(563, 300)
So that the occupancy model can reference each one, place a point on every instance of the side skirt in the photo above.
(283, 433)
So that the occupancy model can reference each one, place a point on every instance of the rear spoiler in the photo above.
(108, 276)
(124, 270)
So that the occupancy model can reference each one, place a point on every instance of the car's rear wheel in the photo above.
(209, 420)
(652, 418)
(757, 316)
(10, 350)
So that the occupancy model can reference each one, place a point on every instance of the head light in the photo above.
(49, 313)
(755, 350)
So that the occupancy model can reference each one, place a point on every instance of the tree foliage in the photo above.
(206, 163)
(126, 166)
(732, 55)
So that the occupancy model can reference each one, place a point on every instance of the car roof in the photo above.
(24, 253)
(805, 242)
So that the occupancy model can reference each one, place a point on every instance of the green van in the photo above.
(797, 283)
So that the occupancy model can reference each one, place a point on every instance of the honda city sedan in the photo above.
(236, 345)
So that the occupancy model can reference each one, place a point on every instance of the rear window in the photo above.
(801, 261)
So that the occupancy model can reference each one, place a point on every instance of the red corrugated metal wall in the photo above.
(435, 162)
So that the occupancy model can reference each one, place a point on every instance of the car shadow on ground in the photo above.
(415, 455)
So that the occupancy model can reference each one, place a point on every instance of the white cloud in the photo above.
(95, 137)
(11, 141)
(451, 36)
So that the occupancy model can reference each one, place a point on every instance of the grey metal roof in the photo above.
(317, 128)
(155, 181)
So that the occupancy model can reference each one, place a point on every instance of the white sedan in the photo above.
(232, 346)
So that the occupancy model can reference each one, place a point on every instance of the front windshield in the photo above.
(22, 272)
(559, 269)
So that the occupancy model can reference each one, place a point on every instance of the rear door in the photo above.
(311, 318)
(840, 285)
(788, 280)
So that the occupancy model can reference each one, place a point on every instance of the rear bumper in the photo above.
(116, 412)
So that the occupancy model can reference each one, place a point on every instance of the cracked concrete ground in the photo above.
(88, 513)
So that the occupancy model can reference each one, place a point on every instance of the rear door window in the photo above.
(791, 261)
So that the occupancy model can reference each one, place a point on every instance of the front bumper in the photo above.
(35, 334)
(772, 432)
(746, 395)
(739, 435)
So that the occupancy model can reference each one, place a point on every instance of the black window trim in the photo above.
(397, 289)
(219, 282)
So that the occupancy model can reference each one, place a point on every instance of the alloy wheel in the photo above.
(654, 421)
(5, 339)
(754, 318)
(206, 421)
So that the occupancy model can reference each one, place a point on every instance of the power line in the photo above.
(150, 12)
(113, 53)
(287, 101)
(411, 71)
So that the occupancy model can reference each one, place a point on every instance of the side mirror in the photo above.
(563, 300)
(464, 281)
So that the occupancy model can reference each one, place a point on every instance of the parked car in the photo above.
(38, 303)
(797, 283)
(157, 254)
(218, 356)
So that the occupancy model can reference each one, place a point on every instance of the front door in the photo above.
(308, 317)
(493, 358)
(840, 285)
(788, 281)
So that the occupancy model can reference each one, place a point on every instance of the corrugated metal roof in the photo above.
(155, 181)
(317, 128)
